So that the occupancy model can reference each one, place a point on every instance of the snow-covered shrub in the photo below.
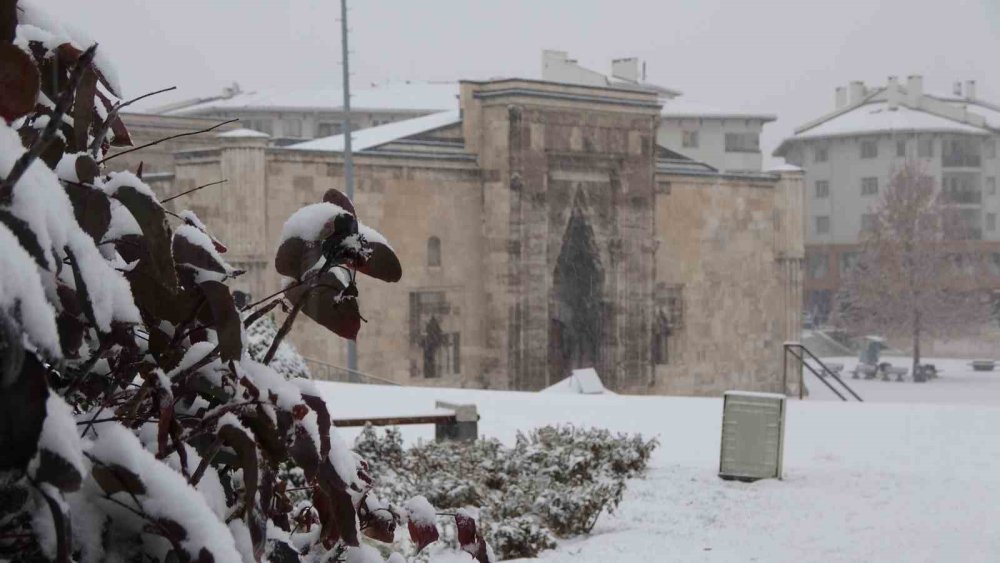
(286, 361)
(554, 482)
(134, 423)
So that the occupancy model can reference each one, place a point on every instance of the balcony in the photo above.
(963, 197)
(961, 160)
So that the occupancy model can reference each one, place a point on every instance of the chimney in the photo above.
(857, 91)
(892, 93)
(970, 90)
(914, 90)
(840, 100)
(552, 61)
(626, 69)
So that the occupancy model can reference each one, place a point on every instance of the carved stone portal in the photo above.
(578, 312)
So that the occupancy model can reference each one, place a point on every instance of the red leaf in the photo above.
(469, 537)
(421, 522)
(19, 82)
(329, 305)
(228, 325)
(322, 420)
(336, 510)
(383, 263)
(244, 445)
(338, 198)
(83, 109)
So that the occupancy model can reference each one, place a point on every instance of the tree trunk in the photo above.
(916, 347)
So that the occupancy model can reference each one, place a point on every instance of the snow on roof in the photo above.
(243, 133)
(878, 118)
(679, 107)
(786, 168)
(372, 137)
(415, 96)
(582, 381)
(991, 114)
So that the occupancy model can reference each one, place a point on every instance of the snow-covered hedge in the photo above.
(286, 361)
(134, 423)
(553, 483)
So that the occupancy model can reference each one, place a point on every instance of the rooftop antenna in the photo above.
(352, 350)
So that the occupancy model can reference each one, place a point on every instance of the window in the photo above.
(742, 142)
(661, 339)
(991, 222)
(869, 186)
(960, 152)
(689, 139)
(822, 154)
(901, 149)
(817, 265)
(822, 189)
(869, 149)
(328, 129)
(868, 222)
(991, 185)
(433, 251)
(990, 148)
(822, 224)
(961, 187)
(293, 128)
(925, 148)
(441, 351)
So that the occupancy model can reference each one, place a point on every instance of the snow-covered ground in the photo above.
(874, 481)
(957, 384)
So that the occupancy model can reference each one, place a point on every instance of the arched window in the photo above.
(433, 251)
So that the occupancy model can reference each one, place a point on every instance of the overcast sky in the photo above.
(778, 56)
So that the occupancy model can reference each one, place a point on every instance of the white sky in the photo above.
(777, 56)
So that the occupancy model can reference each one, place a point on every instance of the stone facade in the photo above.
(543, 232)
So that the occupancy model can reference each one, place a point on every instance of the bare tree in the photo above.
(916, 274)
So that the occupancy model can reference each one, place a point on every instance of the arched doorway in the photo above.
(578, 310)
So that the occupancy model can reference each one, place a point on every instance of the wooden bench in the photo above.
(461, 424)
(866, 370)
(899, 372)
(983, 365)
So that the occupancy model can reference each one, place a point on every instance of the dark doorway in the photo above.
(578, 312)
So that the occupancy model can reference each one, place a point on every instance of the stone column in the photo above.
(790, 253)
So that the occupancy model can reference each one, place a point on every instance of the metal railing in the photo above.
(328, 372)
(800, 353)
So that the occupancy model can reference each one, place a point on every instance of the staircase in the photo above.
(799, 356)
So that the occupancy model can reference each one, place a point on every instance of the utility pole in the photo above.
(352, 348)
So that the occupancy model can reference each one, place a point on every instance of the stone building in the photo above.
(541, 228)
(849, 156)
(290, 116)
(725, 139)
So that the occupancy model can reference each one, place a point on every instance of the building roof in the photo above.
(877, 117)
(365, 139)
(681, 108)
(243, 133)
(403, 96)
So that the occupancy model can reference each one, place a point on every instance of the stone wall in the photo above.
(720, 251)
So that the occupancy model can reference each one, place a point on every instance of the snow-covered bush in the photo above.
(134, 423)
(554, 482)
(287, 361)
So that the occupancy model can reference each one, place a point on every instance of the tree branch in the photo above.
(165, 139)
(95, 146)
(171, 198)
(51, 128)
